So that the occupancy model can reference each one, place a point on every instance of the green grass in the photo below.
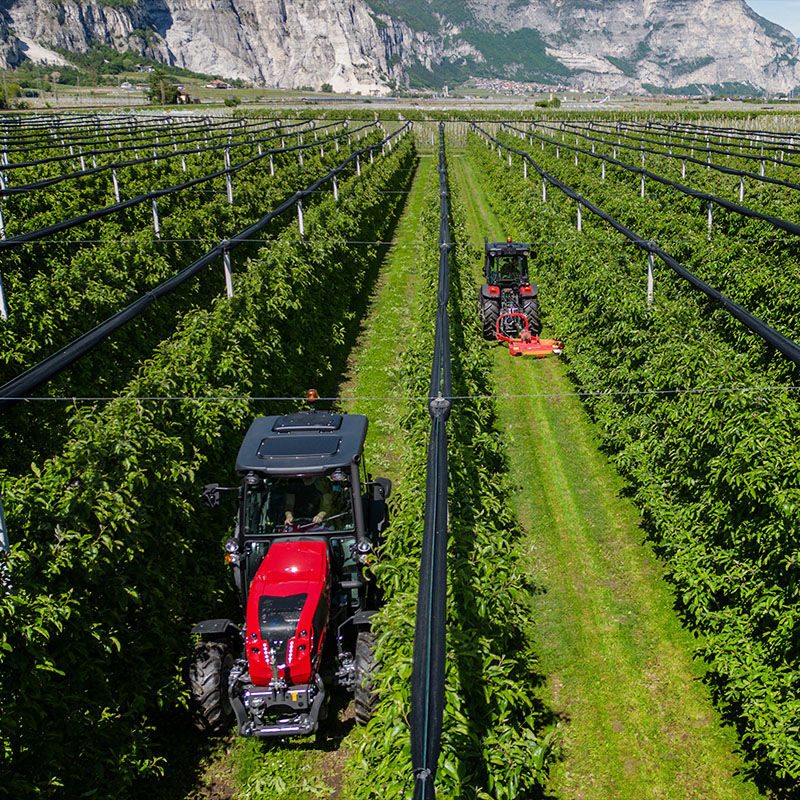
(373, 367)
(636, 719)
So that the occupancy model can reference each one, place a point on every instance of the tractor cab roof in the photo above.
(303, 443)
(496, 249)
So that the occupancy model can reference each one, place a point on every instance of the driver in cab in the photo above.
(310, 497)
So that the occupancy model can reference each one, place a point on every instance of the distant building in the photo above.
(219, 85)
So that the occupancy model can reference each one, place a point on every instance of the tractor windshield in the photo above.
(509, 268)
(313, 503)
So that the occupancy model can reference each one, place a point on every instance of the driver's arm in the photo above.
(325, 505)
(289, 508)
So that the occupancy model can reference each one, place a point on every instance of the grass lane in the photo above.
(373, 367)
(636, 720)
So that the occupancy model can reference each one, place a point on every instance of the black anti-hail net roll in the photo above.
(428, 672)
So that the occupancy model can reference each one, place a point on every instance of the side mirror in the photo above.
(381, 489)
(211, 495)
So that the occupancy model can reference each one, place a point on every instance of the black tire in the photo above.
(490, 311)
(530, 308)
(208, 685)
(366, 698)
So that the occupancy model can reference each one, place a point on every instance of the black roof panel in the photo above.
(308, 420)
(306, 442)
(507, 248)
(299, 446)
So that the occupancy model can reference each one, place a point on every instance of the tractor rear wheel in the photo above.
(366, 698)
(208, 685)
(530, 308)
(490, 311)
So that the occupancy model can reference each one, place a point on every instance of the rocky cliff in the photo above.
(370, 46)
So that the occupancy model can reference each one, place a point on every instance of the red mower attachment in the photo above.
(526, 344)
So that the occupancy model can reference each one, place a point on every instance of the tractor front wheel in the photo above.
(366, 698)
(208, 686)
(530, 308)
(490, 311)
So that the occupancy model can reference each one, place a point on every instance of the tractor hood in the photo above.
(287, 613)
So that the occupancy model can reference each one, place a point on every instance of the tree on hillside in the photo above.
(162, 90)
(8, 92)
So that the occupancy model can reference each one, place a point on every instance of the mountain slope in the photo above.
(373, 45)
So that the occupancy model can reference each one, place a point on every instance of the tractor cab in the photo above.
(310, 518)
(506, 264)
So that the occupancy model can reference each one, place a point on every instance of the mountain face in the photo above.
(372, 46)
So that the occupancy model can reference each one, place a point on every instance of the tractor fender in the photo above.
(216, 629)
(534, 290)
(485, 294)
(362, 620)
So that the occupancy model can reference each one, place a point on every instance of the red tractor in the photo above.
(508, 297)
(509, 302)
(309, 519)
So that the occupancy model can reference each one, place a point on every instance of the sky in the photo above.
(785, 12)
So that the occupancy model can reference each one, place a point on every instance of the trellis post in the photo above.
(226, 268)
(741, 188)
(228, 184)
(300, 222)
(156, 222)
(580, 217)
(358, 165)
(642, 189)
(649, 279)
(5, 545)
(3, 315)
(710, 217)
(524, 168)
(335, 188)
(544, 190)
(115, 183)
(271, 165)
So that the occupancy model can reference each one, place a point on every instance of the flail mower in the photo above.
(509, 302)
(309, 520)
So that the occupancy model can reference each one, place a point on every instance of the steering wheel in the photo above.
(322, 521)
